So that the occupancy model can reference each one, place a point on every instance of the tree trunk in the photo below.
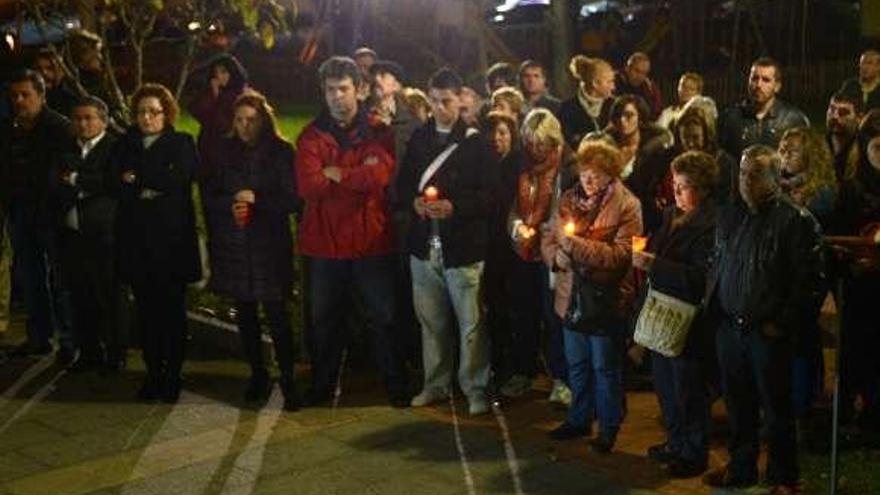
(561, 29)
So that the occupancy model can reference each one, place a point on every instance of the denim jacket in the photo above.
(738, 128)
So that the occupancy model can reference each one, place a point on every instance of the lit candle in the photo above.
(431, 193)
(639, 243)
(569, 229)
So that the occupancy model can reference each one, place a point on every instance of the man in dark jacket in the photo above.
(842, 123)
(446, 184)
(533, 84)
(59, 95)
(867, 86)
(344, 165)
(31, 143)
(634, 80)
(766, 277)
(763, 117)
(84, 207)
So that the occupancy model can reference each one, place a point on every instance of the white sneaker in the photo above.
(516, 386)
(428, 396)
(478, 406)
(560, 394)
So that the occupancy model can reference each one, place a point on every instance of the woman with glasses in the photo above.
(158, 252)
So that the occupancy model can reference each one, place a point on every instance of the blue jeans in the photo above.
(683, 396)
(331, 283)
(47, 301)
(595, 376)
(436, 291)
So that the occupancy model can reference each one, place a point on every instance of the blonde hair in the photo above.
(601, 155)
(512, 96)
(693, 77)
(818, 161)
(586, 69)
(416, 98)
(541, 125)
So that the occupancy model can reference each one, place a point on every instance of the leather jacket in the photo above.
(767, 266)
(738, 128)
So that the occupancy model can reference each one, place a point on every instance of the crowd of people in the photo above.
(530, 232)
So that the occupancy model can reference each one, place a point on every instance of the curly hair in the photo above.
(698, 166)
(601, 155)
(817, 159)
(161, 93)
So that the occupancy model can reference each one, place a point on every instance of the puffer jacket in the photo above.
(350, 219)
(602, 251)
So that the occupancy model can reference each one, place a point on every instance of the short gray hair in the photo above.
(768, 158)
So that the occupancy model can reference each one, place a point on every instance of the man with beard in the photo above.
(344, 164)
(763, 117)
(842, 121)
(767, 273)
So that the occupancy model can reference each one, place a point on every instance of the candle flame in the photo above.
(569, 229)
(639, 243)
(431, 193)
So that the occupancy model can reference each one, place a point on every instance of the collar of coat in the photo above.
(346, 137)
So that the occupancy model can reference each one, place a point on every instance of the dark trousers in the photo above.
(87, 264)
(526, 285)
(250, 333)
(755, 375)
(161, 315)
(681, 390)
(554, 353)
(46, 298)
(859, 340)
(331, 283)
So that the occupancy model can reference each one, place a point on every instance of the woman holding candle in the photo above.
(157, 250)
(535, 196)
(252, 194)
(595, 249)
(675, 262)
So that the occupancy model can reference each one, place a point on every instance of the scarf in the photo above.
(591, 105)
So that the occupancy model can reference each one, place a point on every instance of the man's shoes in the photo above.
(259, 387)
(566, 431)
(662, 453)
(28, 349)
(399, 401)
(171, 389)
(560, 394)
(65, 358)
(785, 489)
(682, 469)
(478, 406)
(602, 444)
(724, 477)
(516, 386)
(428, 396)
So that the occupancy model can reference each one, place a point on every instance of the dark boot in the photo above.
(259, 387)
(151, 388)
(171, 388)
(288, 389)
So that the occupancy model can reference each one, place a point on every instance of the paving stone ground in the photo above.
(72, 434)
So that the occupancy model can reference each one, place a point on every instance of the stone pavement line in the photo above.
(250, 460)
(509, 451)
(115, 470)
(34, 371)
(41, 394)
(459, 444)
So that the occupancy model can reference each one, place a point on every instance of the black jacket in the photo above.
(94, 192)
(853, 87)
(738, 128)
(779, 251)
(156, 228)
(253, 263)
(576, 123)
(468, 178)
(45, 144)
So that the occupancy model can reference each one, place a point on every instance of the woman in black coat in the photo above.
(675, 263)
(251, 195)
(157, 250)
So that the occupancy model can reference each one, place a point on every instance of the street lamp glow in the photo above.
(498, 18)
(194, 26)
(10, 41)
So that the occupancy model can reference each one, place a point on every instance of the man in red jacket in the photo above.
(343, 167)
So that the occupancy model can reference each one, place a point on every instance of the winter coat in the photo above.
(468, 178)
(602, 252)
(577, 123)
(534, 204)
(155, 222)
(350, 219)
(254, 262)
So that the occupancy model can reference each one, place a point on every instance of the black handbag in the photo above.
(591, 308)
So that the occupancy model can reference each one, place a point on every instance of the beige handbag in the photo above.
(664, 322)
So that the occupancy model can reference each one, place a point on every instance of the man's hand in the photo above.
(333, 173)
(562, 260)
(439, 209)
(245, 196)
(420, 206)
